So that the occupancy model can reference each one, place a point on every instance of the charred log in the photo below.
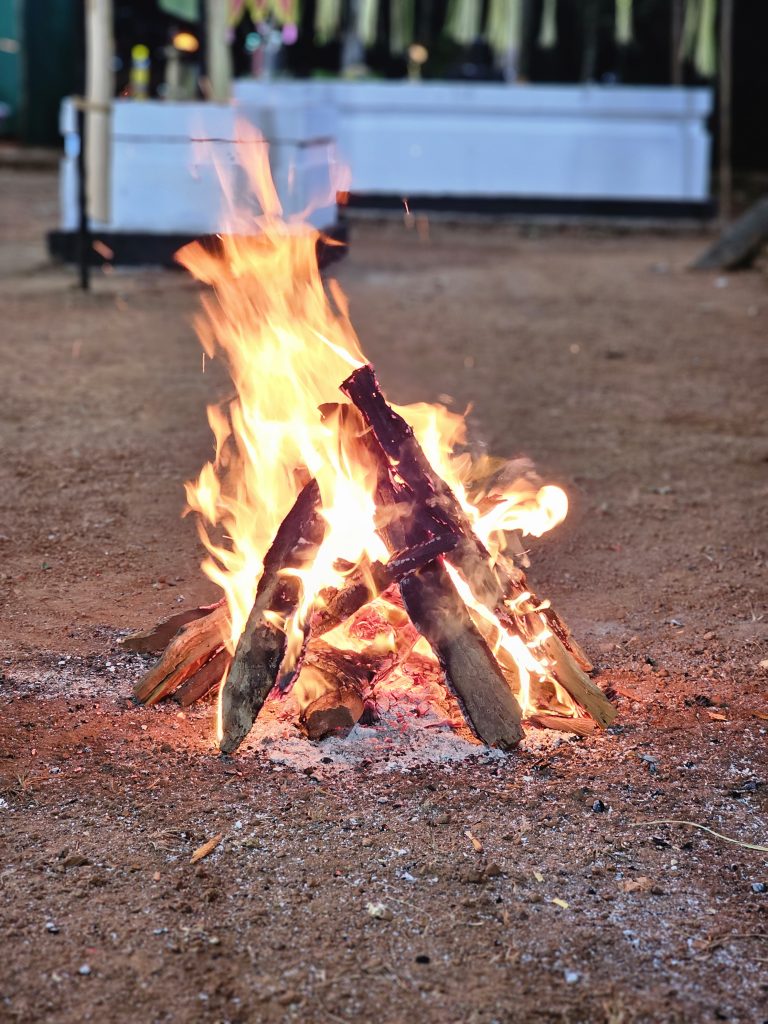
(340, 683)
(370, 580)
(429, 491)
(405, 458)
(262, 645)
(471, 672)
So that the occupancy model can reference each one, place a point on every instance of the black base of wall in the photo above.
(510, 206)
(136, 248)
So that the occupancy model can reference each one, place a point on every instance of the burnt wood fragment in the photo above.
(188, 651)
(205, 679)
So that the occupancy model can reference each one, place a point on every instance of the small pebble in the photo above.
(85, 970)
(598, 806)
(759, 887)
(571, 977)
(379, 911)
(51, 927)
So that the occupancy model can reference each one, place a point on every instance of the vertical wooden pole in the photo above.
(99, 90)
(217, 49)
(725, 173)
(675, 61)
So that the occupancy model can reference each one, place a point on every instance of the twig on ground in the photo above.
(703, 828)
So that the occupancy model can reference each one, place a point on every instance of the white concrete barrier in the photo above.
(444, 143)
(626, 143)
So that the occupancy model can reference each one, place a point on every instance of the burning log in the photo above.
(339, 681)
(577, 683)
(403, 451)
(190, 649)
(405, 456)
(262, 645)
(333, 713)
(369, 581)
(471, 672)
(577, 726)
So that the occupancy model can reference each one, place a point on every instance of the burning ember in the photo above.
(354, 541)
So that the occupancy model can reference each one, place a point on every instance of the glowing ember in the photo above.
(288, 344)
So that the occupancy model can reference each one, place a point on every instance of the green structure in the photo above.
(39, 46)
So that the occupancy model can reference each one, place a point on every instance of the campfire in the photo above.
(352, 540)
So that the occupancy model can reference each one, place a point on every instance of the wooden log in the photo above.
(403, 451)
(577, 683)
(578, 726)
(339, 679)
(472, 673)
(187, 652)
(370, 580)
(739, 243)
(399, 444)
(205, 679)
(262, 645)
(156, 639)
(334, 713)
(405, 457)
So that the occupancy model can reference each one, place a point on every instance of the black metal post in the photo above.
(84, 234)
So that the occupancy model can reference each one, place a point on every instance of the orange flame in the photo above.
(288, 343)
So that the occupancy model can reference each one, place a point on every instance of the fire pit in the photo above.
(355, 543)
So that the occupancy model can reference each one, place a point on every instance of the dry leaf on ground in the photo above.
(206, 848)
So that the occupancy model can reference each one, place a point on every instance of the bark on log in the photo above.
(205, 679)
(369, 581)
(261, 647)
(156, 639)
(189, 650)
(340, 682)
(472, 674)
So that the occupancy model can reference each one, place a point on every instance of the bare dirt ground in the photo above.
(642, 389)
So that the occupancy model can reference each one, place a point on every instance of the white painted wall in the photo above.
(564, 142)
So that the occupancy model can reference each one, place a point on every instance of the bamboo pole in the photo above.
(99, 90)
(219, 64)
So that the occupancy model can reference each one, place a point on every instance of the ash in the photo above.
(400, 740)
(417, 722)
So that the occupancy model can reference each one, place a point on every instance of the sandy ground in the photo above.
(637, 385)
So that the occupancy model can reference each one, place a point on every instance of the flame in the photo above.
(288, 343)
